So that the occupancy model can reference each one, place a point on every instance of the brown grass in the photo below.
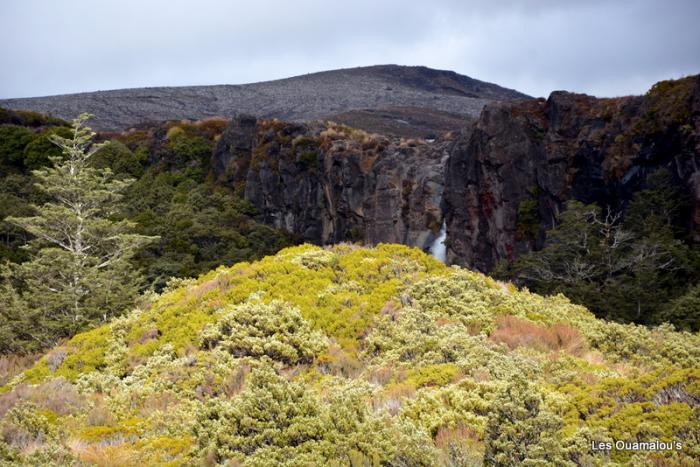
(391, 309)
(21, 439)
(393, 398)
(235, 382)
(159, 402)
(340, 362)
(459, 445)
(105, 456)
(56, 395)
(449, 435)
(559, 337)
(383, 375)
(411, 142)
(59, 396)
(148, 335)
(222, 283)
(355, 137)
(481, 374)
(100, 414)
(12, 365)
(10, 399)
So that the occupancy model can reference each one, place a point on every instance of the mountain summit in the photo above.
(400, 90)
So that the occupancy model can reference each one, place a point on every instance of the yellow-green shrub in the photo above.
(256, 329)
(370, 352)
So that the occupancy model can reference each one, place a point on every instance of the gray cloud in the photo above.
(600, 47)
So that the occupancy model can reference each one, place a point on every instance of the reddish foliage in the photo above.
(515, 332)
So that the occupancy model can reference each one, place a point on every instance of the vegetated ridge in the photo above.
(449, 95)
(355, 355)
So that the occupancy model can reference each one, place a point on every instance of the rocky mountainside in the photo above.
(370, 180)
(330, 183)
(540, 153)
(301, 98)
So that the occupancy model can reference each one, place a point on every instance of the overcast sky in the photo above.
(605, 48)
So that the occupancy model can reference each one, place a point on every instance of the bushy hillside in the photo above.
(355, 356)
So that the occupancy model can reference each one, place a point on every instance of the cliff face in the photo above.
(330, 183)
(501, 182)
(508, 179)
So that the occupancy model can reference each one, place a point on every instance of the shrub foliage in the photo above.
(355, 356)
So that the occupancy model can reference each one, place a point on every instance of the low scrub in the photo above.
(354, 356)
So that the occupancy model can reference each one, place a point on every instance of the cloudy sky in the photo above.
(605, 48)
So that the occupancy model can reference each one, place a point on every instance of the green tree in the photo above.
(79, 272)
(16, 195)
(118, 157)
(13, 140)
(620, 270)
(684, 311)
(661, 207)
(201, 226)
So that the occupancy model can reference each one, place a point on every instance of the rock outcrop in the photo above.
(509, 178)
(330, 183)
(499, 184)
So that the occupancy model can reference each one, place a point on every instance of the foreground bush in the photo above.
(354, 356)
(275, 330)
(284, 423)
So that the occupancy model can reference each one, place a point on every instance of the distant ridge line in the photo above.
(307, 97)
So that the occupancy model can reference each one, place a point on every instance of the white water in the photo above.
(438, 248)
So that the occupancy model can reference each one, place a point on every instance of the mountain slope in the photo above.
(355, 355)
(300, 98)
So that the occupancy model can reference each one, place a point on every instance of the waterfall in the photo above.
(438, 248)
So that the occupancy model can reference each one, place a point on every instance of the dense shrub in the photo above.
(187, 148)
(355, 356)
(520, 429)
(282, 422)
(273, 420)
(634, 344)
(40, 150)
(22, 426)
(464, 296)
(120, 159)
(29, 118)
(13, 140)
(275, 330)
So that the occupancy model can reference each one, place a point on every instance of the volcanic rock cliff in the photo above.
(330, 183)
(499, 184)
(413, 149)
(509, 178)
